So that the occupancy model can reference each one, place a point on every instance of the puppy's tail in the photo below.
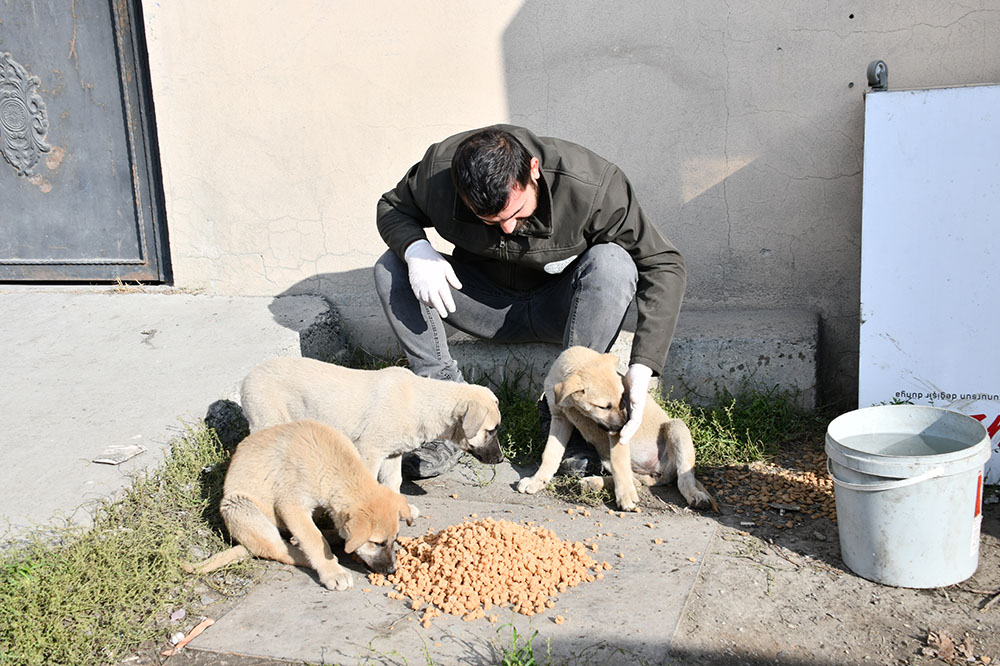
(217, 561)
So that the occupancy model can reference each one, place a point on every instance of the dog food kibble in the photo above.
(768, 492)
(469, 569)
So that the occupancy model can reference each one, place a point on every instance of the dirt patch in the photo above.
(772, 588)
(775, 591)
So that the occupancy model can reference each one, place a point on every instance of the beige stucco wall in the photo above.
(740, 125)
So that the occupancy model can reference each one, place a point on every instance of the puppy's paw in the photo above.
(337, 578)
(626, 496)
(531, 485)
(414, 514)
(700, 499)
(591, 484)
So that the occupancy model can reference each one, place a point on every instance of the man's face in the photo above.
(521, 204)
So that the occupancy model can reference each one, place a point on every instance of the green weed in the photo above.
(567, 488)
(75, 596)
(735, 429)
(749, 427)
(521, 439)
(521, 654)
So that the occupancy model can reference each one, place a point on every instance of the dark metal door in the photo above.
(80, 195)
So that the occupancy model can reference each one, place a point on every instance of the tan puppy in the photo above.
(384, 412)
(583, 389)
(280, 477)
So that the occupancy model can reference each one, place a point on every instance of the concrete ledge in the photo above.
(731, 350)
(713, 351)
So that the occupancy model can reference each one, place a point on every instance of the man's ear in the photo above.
(564, 389)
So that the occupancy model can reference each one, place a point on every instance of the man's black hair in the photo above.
(486, 165)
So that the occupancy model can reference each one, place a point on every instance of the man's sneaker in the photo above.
(431, 459)
(580, 458)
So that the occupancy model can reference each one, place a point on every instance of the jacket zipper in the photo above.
(511, 269)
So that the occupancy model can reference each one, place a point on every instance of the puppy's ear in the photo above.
(355, 532)
(473, 417)
(611, 360)
(564, 389)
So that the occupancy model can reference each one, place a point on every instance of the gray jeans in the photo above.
(584, 305)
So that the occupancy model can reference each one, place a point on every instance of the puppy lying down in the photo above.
(281, 478)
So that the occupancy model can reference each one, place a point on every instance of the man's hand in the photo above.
(637, 390)
(430, 277)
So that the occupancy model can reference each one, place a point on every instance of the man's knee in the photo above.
(389, 269)
(609, 267)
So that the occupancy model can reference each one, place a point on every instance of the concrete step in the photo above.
(714, 351)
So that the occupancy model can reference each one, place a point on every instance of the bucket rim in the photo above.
(902, 466)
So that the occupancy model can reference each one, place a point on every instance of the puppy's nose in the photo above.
(490, 452)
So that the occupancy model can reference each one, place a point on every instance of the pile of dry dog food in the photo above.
(469, 569)
(780, 493)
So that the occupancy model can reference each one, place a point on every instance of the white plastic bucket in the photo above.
(908, 485)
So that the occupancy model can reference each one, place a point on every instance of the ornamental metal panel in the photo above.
(80, 196)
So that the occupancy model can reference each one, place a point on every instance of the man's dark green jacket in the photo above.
(583, 200)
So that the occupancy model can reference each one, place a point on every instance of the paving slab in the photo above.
(628, 617)
(86, 369)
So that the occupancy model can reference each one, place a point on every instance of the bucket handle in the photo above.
(885, 485)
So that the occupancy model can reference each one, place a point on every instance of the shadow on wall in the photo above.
(623, 81)
(646, 85)
(354, 321)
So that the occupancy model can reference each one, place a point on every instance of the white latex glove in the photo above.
(637, 389)
(430, 277)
